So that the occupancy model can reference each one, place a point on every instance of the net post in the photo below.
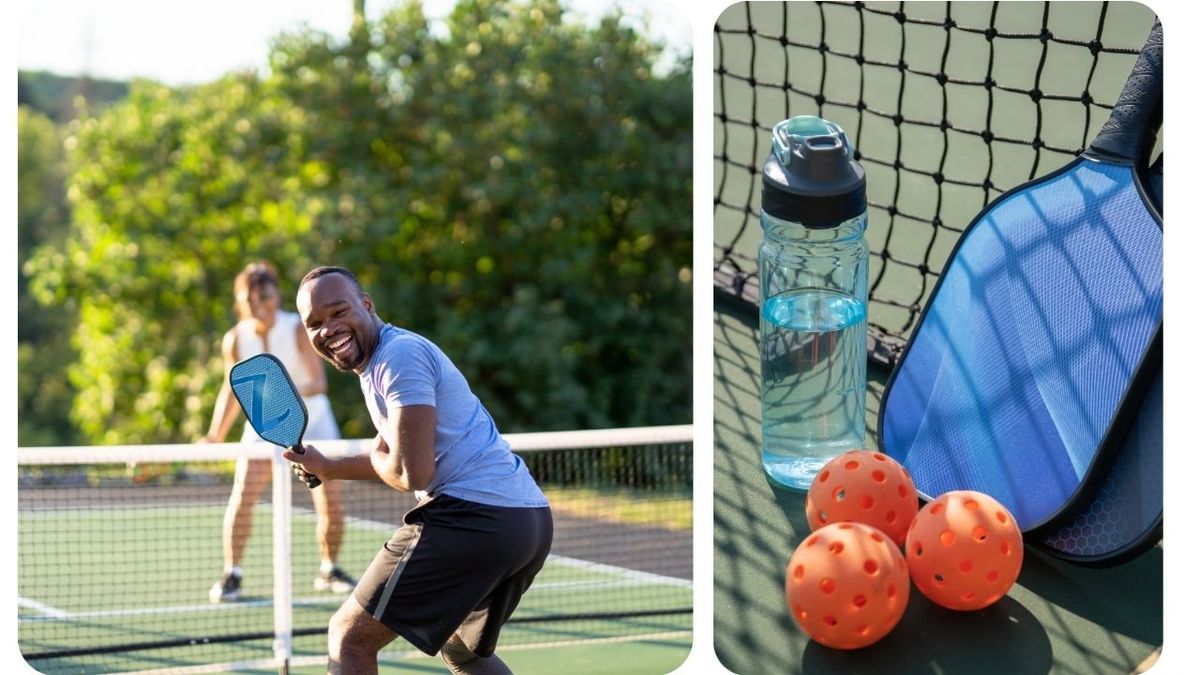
(281, 537)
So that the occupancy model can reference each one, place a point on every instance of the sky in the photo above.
(191, 42)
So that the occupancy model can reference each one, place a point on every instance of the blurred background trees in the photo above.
(515, 187)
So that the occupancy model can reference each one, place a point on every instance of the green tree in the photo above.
(517, 189)
(173, 192)
(43, 334)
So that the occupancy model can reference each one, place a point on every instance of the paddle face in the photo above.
(272, 405)
(1030, 361)
(1125, 517)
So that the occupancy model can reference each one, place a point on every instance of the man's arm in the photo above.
(404, 459)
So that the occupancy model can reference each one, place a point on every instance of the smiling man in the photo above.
(454, 571)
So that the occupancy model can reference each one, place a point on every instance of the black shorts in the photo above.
(455, 566)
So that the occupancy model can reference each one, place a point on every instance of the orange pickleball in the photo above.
(847, 585)
(863, 486)
(964, 550)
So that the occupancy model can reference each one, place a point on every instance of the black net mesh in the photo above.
(116, 563)
(948, 105)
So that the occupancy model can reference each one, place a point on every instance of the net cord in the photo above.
(210, 452)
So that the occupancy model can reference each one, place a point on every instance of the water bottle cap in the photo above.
(811, 176)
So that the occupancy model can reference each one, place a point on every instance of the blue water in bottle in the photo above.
(813, 381)
(813, 316)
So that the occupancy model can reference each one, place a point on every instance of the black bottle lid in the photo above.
(811, 176)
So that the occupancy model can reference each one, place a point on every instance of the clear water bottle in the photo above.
(813, 298)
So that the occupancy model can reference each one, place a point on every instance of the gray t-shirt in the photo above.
(472, 460)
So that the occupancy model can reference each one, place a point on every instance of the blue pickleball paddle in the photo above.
(271, 402)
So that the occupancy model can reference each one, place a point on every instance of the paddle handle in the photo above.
(311, 481)
(1128, 135)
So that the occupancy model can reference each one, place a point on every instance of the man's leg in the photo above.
(463, 661)
(355, 639)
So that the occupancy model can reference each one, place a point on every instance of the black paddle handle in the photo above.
(311, 481)
(1128, 135)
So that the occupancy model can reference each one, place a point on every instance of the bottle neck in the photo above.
(786, 231)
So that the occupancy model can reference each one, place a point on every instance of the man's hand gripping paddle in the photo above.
(271, 403)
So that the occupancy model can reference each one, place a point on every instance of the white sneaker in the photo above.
(335, 581)
(228, 589)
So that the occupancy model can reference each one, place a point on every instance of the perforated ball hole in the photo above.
(1001, 517)
(871, 567)
(966, 566)
(980, 533)
(891, 591)
(836, 547)
(829, 620)
(971, 505)
(947, 538)
(862, 629)
(919, 549)
(813, 541)
(1005, 548)
(824, 476)
(798, 573)
(939, 579)
(823, 516)
(845, 526)
(876, 536)
(968, 596)
(937, 508)
(903, 492)
(890, 517)
(866, 502)
(879, 457)
(993, 577)
(839, 494)
(852, 465)
(879, 476)
(827, 586)
(860, 600)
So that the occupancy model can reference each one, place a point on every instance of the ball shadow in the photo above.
(1004, 638)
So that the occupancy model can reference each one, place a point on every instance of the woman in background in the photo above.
(263, 327)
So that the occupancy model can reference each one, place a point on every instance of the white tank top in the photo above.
(281, 339)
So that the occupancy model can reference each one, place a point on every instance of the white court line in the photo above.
(177, 609)
(576, 563)
(47, 610)
(396, 656)
(626, 578)
(647, 577)
(52, 614)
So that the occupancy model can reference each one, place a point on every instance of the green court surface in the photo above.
(1058, 617)
(145, 571)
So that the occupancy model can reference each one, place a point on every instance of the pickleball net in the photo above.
(118, 547)
(947, 105)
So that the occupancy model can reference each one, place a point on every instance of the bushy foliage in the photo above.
(516, 188)
(43, 334)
